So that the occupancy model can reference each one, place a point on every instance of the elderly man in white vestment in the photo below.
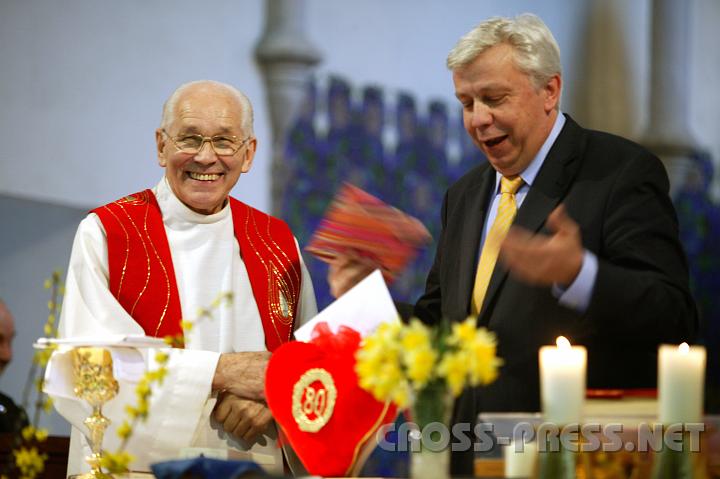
(142, 263)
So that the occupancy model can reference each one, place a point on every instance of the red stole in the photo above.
(142, 277)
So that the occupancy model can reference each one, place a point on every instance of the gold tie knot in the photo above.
(510, 185)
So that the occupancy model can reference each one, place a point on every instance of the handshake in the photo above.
(240, 383)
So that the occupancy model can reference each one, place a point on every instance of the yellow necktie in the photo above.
(488, 257)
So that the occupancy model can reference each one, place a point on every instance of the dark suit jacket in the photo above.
(12, 417)
(618, 193)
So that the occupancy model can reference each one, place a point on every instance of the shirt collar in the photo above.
(176, 213)
(528, 174)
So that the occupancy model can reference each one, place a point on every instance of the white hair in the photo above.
(536, 52)
(246, 122)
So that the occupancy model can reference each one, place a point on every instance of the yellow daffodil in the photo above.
(415, 336)
(454, 368)
(408, 363)
(463, 333)
(420, 365)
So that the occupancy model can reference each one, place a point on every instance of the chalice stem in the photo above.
(96, 424)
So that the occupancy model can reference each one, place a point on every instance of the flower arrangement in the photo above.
(27, 461)
(416, 366)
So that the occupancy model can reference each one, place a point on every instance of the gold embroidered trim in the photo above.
(127, 249)
(147, 256)
(141, 199)
(365, 437)
(162, 265)
(289, 291)
(267, 270)
(313, 407)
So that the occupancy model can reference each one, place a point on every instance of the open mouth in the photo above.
(204, 176)
(494, 141)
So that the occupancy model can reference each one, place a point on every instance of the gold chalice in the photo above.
(95, 383)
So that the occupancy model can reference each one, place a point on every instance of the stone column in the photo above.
(668, 134)
(286, 57)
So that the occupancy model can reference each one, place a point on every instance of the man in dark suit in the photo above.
(593, 253)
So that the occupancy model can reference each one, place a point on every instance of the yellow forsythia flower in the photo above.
(29, 461)
(28, 432)
(41, 435)
(161, 357)
(116, 463)
(131, 411)
(125, 430)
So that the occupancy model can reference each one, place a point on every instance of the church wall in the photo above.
(35, 241)
(83, 82)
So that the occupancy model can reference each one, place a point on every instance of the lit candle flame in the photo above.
(684, 348)
(562, 343)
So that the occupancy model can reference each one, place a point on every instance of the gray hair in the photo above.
(246, 122)
(536, 52)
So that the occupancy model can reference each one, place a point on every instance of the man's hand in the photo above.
(243, 418)
(545, 260)
(242, 374)
(346, 271)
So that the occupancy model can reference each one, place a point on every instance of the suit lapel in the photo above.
(550, 186)
(475, 201)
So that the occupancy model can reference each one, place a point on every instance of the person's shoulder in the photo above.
(470, 179)
(604, 139)
(141, 198)
(610, 145)
(11, 412)
(244, 210)
(8, 402)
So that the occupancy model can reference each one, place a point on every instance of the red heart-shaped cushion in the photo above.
(312, 390)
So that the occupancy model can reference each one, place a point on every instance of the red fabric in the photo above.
(273, 264)
(356, 416)
(141, 271)
(142, 277)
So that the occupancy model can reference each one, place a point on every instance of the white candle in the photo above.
(520, 463)
(562, 381)
(681, 379)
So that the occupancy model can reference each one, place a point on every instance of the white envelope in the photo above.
(363, 308)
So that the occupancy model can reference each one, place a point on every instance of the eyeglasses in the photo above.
(222, 145)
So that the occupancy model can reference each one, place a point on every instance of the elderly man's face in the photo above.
(506, 116)
(7, 333)
(203, 181)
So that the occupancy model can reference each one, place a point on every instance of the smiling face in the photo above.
(202, 181)
(504, 113)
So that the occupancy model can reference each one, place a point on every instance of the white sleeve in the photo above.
(90, 309)
(307, 306)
